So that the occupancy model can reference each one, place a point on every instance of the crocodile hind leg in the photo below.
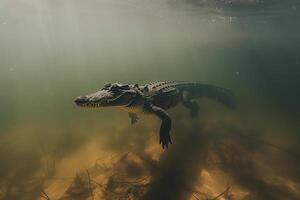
(164, 133)
(192, 105)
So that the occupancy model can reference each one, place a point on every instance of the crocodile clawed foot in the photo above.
(165, 139)
(194, 113)
(134, 118)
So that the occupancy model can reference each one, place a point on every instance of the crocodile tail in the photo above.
(220, 94)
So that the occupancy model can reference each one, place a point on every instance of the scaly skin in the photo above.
(155, 98)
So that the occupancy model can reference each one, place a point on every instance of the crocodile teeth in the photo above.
(91, 105)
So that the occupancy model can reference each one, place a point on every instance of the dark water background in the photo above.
(52, 51)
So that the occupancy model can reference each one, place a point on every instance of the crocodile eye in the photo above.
(107, 85)
(114, 88)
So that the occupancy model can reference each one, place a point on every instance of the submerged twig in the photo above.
(225, 191)
(90, 185)
(44, 195)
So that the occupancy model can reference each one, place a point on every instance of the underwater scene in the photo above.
(238, 140)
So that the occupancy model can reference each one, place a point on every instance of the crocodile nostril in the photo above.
(81, 99)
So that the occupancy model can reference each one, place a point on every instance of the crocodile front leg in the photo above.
(134, 118)
(164, 134)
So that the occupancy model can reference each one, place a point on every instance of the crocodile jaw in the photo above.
(105, 98)
(95, 100)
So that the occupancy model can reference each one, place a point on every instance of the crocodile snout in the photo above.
(81, 100)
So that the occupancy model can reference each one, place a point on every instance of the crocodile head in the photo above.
(111, 95)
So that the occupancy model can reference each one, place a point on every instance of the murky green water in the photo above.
(53, 51)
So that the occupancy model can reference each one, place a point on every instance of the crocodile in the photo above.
(155, 98)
